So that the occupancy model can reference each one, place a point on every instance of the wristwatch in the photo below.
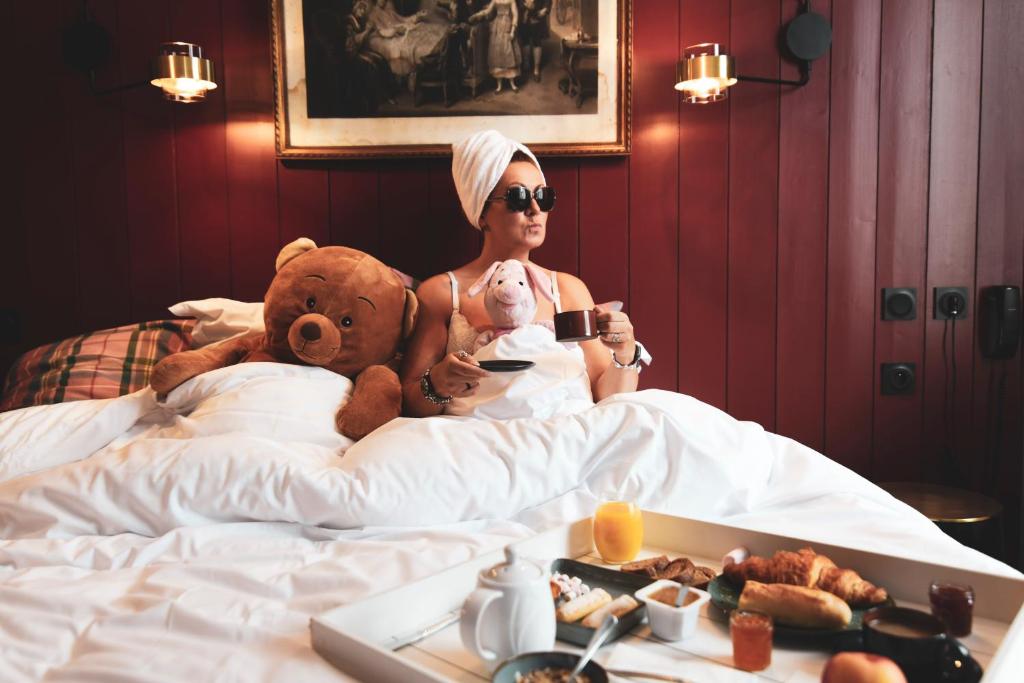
(633, 364)
(429, 393)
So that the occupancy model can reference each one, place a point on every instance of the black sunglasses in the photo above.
(517, 198)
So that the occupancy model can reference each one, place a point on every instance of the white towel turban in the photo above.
(477, 165)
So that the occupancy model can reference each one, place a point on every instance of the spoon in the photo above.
(596, 641)
(646, 674)
(680, 595)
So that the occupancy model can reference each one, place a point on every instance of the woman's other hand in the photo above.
(457, 374)
(616, 333)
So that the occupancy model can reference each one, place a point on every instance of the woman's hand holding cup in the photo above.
(457, 374)
(616, 332)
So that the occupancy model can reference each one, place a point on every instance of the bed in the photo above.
(193, 538)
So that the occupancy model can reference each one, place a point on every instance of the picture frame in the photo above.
(403, 78)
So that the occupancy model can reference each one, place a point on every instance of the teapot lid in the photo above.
(513, 570)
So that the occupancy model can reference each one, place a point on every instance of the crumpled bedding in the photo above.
(193, 539)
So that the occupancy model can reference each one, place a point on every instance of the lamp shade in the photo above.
(182, 72)
(704, 74)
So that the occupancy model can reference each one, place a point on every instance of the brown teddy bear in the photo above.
(334, 307)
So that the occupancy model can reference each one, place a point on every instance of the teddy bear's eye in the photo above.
(346, 321)
(520, 284)
(311, 303)
(500, 281)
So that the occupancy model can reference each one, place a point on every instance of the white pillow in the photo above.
(220, 319)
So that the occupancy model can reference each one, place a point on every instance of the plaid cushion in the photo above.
(102, 364)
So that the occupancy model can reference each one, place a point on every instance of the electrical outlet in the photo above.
(898, 378)
(899, 303)
(947, 300)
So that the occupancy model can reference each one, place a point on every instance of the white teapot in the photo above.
(510, 612)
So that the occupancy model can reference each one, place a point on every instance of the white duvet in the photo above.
(193, 539)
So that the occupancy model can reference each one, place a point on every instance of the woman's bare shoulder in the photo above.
(573, 292)
(435, 289)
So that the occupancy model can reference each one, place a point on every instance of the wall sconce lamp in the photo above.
(180, 70)
(704, 74)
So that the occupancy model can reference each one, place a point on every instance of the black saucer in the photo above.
(506, 365)
(962, 667)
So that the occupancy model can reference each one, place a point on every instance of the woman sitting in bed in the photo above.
(503, 194)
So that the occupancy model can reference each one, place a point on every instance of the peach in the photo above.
(861, 667)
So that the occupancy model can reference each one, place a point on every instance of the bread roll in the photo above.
(574, 610)
(796, 605)
(618, 607)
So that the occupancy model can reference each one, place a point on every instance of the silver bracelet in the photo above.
(430, 393)
(633, 364)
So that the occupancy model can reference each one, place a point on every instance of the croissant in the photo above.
(809, 569)
(848, 585)
(801, 568)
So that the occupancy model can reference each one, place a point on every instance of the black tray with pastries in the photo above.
(616, 583)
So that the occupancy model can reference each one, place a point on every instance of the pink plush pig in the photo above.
(509, 298)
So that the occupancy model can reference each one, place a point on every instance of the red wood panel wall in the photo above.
(853, 178)
(998, 384)
(750, 239)
(903, 149)
(704, 145)
(802, 252)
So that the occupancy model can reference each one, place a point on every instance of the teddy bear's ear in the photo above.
(293, 249)
(412, 305)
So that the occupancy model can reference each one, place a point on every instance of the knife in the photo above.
(416, 636)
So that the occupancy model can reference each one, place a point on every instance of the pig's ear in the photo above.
(540, 280)
(484, 279)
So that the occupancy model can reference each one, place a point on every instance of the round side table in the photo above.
(962, 514)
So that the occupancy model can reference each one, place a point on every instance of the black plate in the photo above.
(725, 595)
(613, 581)
(506, 365)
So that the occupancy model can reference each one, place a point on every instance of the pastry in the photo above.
(618, 607)
(796, 605)
(702, 576)
(641, 566)
(680, 570)
(574, 610)
(809, 569)
(849, 586)
(801, 568)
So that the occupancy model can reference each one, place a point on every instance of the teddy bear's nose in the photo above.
(310, 331)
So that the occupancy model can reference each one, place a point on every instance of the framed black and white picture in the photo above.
(372, 78)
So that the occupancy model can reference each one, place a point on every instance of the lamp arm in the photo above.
(107, 91)
(805, 77)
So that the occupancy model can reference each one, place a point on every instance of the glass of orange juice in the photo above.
(618, 531)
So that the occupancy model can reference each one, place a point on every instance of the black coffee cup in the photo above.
(573, 326)
(919, 644)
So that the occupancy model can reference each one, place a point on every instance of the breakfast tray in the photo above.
(367, 640)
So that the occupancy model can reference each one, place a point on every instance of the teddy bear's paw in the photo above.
(356, 421)
(176, 369)
(169, 373)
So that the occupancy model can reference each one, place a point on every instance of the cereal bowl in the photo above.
(538, 661)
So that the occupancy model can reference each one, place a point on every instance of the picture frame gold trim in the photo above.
(621, 146)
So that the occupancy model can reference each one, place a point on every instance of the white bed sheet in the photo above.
(192, 540)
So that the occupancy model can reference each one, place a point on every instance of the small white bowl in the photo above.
(669, 622)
